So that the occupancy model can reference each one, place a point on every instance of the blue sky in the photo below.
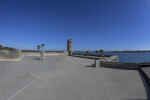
(92, 24)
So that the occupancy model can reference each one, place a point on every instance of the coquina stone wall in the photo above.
(111, 59)
(46, 53)
(10, 54)
(16, 55)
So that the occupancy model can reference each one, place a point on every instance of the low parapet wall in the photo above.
(16, 55)
(111, 59)
(10, 55)
(103, 59)
(46, 53)
(119, 65)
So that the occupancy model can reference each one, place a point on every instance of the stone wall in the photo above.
(16, 55)
(111, 59)
(103, 59)
(46, 53)
(119, 65)
(6, 55)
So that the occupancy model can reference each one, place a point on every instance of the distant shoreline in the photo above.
(128, 51)
(93, 51)
(119, 51)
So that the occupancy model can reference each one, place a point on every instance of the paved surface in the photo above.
(67, 78)
(146, 70)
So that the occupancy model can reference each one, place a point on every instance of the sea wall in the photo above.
(112, 58)
(10, 55)
(119, 65)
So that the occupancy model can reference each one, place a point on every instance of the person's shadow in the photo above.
(93, 65)
(37, 58)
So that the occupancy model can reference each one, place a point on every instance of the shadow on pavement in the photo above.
(91, 66)
(37, 58)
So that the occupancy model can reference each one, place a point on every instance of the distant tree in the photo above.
(6, 48)
(87, 52)
(96, 52)
(43, 46)
(11, 48)
(38, 47)
(1, 47)
(101, 52)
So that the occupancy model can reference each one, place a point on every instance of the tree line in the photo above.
(100, 51)
(6, 48)
(88, 53)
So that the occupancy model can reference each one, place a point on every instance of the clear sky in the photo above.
(92, 24)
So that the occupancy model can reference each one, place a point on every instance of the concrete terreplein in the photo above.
(64, 77)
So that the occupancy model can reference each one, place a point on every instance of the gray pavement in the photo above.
(67, 78)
